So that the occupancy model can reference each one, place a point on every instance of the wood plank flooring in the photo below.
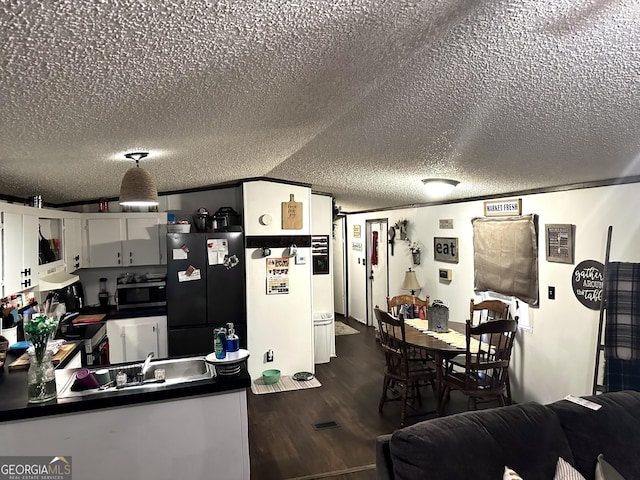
(283, 443)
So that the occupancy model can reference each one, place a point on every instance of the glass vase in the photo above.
(41, 378)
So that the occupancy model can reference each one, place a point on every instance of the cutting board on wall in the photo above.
(22, 362)
(291, 214)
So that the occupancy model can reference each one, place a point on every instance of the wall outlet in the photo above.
(269, 356)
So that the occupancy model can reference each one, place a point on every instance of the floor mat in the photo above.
(286, 383)
(344, 329)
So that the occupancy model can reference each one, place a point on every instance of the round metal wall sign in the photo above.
(587, 282)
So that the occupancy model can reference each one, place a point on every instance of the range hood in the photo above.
(55, 279)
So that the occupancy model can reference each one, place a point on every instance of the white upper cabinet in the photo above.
(72, 243)
(118, 240)
(142, 241)
(19, 251)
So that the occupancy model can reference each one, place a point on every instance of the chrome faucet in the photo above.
(145, 365)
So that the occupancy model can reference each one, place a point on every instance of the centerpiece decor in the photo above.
(41, 380)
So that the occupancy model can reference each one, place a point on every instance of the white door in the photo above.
(377, 271)
(339, 270)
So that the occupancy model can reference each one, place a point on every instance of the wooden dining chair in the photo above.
(410, 306)
(486, 368)
(495, 309)
(403, 304)
(402, 377)
(487, 310)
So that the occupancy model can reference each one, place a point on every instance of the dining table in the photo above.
(433, 343)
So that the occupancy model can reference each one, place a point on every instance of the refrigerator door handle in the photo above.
(157, 330)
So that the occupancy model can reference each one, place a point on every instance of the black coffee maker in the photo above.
(72, 296)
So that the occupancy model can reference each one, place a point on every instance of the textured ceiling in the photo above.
(361, 99)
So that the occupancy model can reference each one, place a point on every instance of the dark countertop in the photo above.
(13, 384)
(113, 313)
(14, 406)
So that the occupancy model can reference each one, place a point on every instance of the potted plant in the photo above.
(414, 248)
(401, 226)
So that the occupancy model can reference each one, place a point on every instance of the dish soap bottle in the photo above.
(220, 343)
(233, 342)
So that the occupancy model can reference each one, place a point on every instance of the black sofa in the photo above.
(528, 438)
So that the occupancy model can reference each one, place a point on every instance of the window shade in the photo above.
(505, 255)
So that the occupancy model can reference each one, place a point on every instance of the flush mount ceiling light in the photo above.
(138, 188)
(439, 186)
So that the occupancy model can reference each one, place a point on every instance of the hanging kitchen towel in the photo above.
(374, 249)
(622, 331)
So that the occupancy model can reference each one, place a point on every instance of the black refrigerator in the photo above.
(205, 289)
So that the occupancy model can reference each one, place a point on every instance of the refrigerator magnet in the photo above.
(189, 275)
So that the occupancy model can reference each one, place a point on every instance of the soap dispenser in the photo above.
(233, 342)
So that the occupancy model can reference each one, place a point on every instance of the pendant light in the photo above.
(138, 188)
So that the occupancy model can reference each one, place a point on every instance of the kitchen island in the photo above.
(190, 430)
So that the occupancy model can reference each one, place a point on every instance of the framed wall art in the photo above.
(559, 246)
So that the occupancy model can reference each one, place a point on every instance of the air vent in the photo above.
(325, 425)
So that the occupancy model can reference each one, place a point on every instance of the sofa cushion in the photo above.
(613, 430)
(478, 445)
(564, 471)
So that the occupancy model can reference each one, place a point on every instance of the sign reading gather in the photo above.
(587, 282)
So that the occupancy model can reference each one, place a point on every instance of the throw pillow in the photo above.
(510, 474)
(564, 471)
(604, 471)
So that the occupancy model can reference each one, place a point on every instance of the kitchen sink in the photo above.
(176, 371)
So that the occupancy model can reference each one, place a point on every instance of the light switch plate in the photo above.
(301, 259)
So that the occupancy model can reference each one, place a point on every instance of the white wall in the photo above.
(283, 323)
(557, 357)
(184, 205)
(321, 222)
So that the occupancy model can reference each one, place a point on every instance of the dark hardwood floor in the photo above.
(283, 442)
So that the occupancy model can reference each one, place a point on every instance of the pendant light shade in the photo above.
(138, 188)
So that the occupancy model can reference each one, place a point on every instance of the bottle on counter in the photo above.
(233, 342)
(220, 343)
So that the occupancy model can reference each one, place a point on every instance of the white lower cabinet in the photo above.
(75, 362)
(132, 339)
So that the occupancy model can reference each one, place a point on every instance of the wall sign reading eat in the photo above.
(445, 249)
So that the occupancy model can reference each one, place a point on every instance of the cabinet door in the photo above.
(30, 248)
(72, 244)
(142, 244)
(116, 334)
(12, 252)
(104, 242)
(140, 340)
(20, 252)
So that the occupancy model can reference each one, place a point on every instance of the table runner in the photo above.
(457, 339)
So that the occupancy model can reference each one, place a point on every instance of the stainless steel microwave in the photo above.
(141, 294)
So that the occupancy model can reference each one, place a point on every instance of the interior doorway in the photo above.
(376, 267)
